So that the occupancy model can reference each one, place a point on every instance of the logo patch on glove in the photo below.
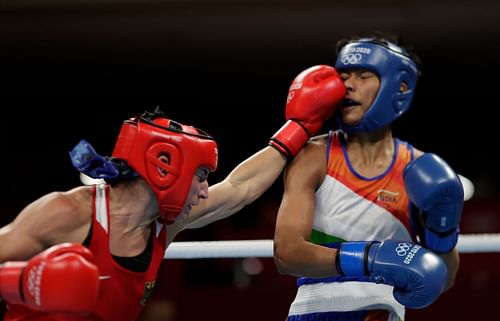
(408, 251)
(34, 281)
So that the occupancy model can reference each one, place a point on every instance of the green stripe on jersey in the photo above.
(318, 237)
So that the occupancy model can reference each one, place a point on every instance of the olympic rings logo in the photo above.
(351, 58)
(403, 248)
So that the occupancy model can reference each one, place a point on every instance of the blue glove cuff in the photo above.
(441, 243)
(351, 258)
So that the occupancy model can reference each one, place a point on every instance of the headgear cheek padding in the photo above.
(393, 66)
(167, 155)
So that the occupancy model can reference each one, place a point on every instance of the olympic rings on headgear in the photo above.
(393, 66)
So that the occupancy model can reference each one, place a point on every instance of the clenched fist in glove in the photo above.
(436, 190)
(312, 99)
(61, 279)
(418, 275)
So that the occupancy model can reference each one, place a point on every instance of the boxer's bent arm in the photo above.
(49, 220)
(241, 187)
(451, 259)
(16, 245)
(294, 253)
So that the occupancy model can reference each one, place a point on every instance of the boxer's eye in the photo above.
(202, 174)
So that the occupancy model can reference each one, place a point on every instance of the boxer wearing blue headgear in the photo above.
(346, 225)
(394, 67)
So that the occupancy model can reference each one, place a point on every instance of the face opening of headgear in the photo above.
(167, 155)
(394, 66)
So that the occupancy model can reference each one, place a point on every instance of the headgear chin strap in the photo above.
(167, 155)
(393, 66)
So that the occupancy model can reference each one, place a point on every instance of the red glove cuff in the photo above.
(290, 139)
(10, 281)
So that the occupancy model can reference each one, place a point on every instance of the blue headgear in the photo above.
(393, 66)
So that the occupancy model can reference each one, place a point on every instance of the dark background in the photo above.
(75, 69)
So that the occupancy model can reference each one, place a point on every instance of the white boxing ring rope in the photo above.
(467, 243)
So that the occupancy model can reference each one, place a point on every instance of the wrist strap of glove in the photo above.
(290, 138)
(441, 242)
(438, 242)
(352, 257)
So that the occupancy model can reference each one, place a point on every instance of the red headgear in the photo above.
(166, 154)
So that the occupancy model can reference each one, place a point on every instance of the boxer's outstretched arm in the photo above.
(312, 98)
(242, 186)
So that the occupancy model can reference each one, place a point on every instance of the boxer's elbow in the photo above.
(282, 258)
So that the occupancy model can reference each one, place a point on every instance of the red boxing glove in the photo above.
(312, 99)
(61, 279)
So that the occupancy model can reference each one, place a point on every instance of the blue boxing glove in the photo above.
(417, 274)
(436, 190)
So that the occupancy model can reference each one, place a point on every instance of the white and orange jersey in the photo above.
(350, 207)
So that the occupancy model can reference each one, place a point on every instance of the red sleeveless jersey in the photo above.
(123, 293)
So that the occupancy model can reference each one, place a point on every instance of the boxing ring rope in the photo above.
(467, 243)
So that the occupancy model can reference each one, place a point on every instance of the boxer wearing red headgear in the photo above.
(167, 155)
(172, 162)
(158, 172)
